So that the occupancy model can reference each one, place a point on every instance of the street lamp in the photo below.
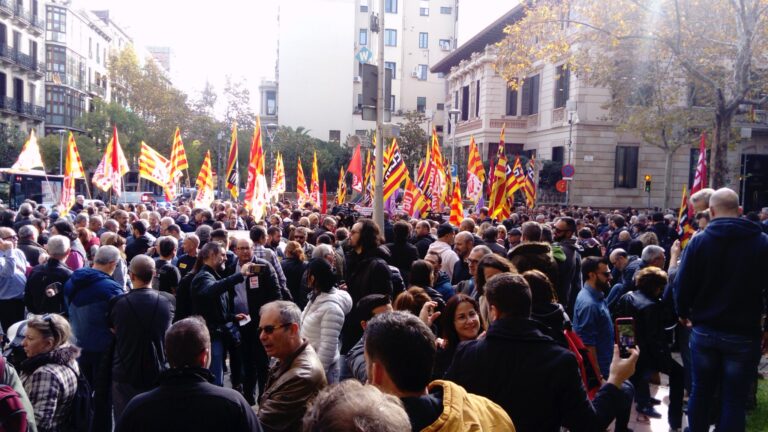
(220, 138)
(61, 133)
(271, 134)
(455, 113)
(573, 118)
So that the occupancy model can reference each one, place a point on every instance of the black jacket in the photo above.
(266, 290)
(496, 248)
(422, 244)
(212, 297)
(402, 256)
(367, 273)
(650, 318)
(569, 274)
(54, 274)
(294, 269)
(187, 401)
(31, 250)
(534, 379)
(138, 246)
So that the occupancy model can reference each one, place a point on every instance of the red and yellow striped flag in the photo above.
(73, 169)
(395, 170)
(530, 183)
(415, 203)
(457, 209)
(204, 184)
(73, 158)
(301, 184)
(255, 168)
(314, 191)
(233, 166)
(178, 156)
(498, 198)
(156, 168)
(278, 176)
(341, 189)
(475, 173)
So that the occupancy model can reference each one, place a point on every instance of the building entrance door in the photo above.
(755, 189)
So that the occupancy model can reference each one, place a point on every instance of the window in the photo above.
(390, 37)
(530, 103)
(392, 102)
(421, 71)
(441, 74)
(271, 97)
(392, 66)
(445, 44)
(424, 40)
(477, 98)
(558, 153)
(626, 167)
(562, 84)
(56, 60)
(421, 104)
(334, 136)
(511, 109)
(56, 24)
(424, 11)
(363, 8)
(90, 48)
(362, 39)
(359, 100)
(446, 10)
(440, 107)
(98, 57)
(465, 103)
(390, 6)
(361, 132)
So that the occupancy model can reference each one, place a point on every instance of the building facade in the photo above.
(320, 77)
(76, 46)
(561, 119)
(22, 69)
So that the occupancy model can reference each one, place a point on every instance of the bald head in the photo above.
(724, 202)
(142, 270)
(701, 199)
(624, 236)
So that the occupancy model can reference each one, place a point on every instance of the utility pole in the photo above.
(378, 194)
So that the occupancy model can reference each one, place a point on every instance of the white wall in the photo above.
(316, 54)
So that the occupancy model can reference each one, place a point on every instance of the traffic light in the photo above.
(647, 182)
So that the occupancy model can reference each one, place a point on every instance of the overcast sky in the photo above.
(213, 39)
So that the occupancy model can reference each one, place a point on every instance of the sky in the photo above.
(213, 39)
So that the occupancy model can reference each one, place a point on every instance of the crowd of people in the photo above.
(157, 318)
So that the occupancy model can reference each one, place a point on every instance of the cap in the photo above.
(515, 232)
(445, 228)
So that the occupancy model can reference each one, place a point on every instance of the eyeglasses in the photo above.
(269, 329)
(51, 326)
(472, 261)
(13, 237)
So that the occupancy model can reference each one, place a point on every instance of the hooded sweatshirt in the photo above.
(87, 294)
(721, 281)
(321, 323)
(453, 409)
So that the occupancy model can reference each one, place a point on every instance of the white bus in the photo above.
(17, 186)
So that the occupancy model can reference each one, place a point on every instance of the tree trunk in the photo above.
(718, 163)
(668, 155)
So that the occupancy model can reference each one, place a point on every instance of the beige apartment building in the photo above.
(553, 105)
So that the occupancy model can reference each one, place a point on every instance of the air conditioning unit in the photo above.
(357, 79)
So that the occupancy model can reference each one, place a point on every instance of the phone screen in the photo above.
(625, 335)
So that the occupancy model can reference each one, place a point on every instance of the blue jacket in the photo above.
(721, 281)
(87, 293)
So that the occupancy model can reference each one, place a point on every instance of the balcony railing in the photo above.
(21, 15)
(97, 90)
(6, 8)
(22, 108)
(64, 79)
(8, 104)
(22, 60)
(38, 24)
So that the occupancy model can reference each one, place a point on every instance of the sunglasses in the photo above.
(269, 329)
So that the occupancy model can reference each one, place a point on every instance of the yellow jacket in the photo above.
(464, 411)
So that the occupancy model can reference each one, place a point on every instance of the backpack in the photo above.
(590, 373)
(81, 410)
(13, 416)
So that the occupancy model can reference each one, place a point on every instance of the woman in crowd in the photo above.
(422, 275)
(294, 266)
(441, 282)
(323, 317)
(77, 258)
(121, 271)
(461, 322)
(50, 372)
(544, 306)
(490, 265)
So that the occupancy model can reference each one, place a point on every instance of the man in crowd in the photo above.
(569, 269)
(463, 245)
(353, 365)
(28, 244)
(185, 399)
(402, 253)
(400, 352)
(300, 236)
(516, 351)
(168, 275)
(44, 291)
(443, 246)
(187, 260)
(490, 236)
(88, 293)
(13, 267)
(297, 376)
(652, 256)
(468, 286)
(259, 237)
(591, 319)
(423, 238)
(139, 320)
(140, 242)
(720, 292)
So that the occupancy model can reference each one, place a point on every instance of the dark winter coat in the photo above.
(53, 274)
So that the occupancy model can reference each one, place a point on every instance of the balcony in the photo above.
(7, 55)
(65, 79)
(38, 25)
(8, 105)
(21, 16)
(29, 64)
(28, 110)
(6, 8)
(97, 90)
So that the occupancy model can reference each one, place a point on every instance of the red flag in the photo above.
(356, 168)
(700, 179)
(324, 207)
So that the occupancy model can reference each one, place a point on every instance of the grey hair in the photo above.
(82, 217)
(321, 250)
(58, 246)
(651, 252)
(25, 209)
(28, 231)
(482, 248)
(193, 237)
(289, 312)
(167, 220)
(107, 255)
(203, 233)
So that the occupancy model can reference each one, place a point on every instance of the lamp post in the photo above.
(61, 133)
(573, 117)
(271, 134)
(455, 114)
(220, 137)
